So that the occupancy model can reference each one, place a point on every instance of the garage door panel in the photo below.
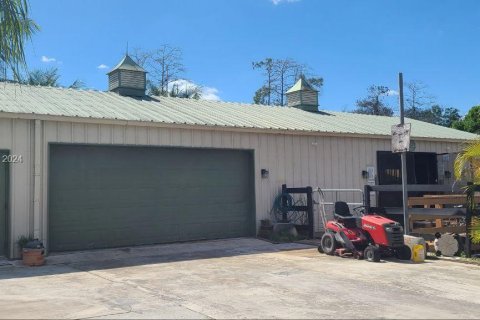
(118, 196)
(104, 203)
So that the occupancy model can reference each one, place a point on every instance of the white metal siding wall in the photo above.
(16, 137)
(297, 160)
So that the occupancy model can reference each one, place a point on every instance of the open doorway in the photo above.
(422, 168)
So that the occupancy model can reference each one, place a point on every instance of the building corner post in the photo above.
(37, 181)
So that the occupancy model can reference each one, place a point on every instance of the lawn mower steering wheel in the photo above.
(360, 210)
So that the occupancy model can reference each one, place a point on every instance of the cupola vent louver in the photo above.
(128, 78)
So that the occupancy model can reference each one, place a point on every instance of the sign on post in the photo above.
(401, 137)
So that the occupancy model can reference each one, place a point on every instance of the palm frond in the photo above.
(475, 230)
(467, 163)
(47, 78)
(77, 84)
(16, 28)
(470, 192)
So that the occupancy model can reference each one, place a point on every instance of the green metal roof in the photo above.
(300, 85)
(33, 100)
(127, 63)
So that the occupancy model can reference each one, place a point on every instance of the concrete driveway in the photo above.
(238, 278)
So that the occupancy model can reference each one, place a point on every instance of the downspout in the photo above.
(37, 181)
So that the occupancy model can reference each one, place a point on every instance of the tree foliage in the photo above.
(471, 121)
(262, 95)
(467, 163)
(417, 100)
(420, 105)
(279, 75)
(16, 28)
(467, 167)
(450, 116)
(164, 66)
(436, 114)
(166, 72)
(374, 103)
(48, 78)
(185, 89)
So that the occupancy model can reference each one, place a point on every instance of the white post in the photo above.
(37, 181)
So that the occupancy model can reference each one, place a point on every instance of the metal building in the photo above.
(86, 169)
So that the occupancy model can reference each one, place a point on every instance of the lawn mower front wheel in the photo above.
(372, 254)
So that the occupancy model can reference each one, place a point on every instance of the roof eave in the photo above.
(62, 118)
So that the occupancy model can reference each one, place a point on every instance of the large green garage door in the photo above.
(106, 196)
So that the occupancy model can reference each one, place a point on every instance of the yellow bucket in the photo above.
(418, 253)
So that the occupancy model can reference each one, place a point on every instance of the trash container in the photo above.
(418, 253)
(412, 241)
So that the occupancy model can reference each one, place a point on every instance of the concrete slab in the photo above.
(238, 278)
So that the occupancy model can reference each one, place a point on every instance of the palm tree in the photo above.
(467, 163)
(15, 29)
(467, 166)
(48, 78)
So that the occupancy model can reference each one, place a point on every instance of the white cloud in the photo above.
(207, 93)
(392, 93)
(277, 2)
(48, 59)
(102, 66)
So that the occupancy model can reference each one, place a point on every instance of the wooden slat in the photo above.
(411, 188)
(432, 217)
(432, 200)
(452, 229)
(432, 213)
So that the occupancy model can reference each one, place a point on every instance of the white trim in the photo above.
(37, 179)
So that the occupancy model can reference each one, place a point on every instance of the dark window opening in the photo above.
(421, 169)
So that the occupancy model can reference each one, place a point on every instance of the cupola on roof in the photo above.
(127, 63)
(128, 78)
(301, 84)
(303, 96)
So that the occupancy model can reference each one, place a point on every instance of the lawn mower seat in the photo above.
(342, 209)
(342, 214)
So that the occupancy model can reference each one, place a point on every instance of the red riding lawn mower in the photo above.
(368, 236)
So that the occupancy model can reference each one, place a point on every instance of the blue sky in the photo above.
(352, 44)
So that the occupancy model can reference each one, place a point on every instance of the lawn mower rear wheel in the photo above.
(328, 244)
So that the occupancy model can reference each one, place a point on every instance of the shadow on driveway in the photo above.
(60, 263)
